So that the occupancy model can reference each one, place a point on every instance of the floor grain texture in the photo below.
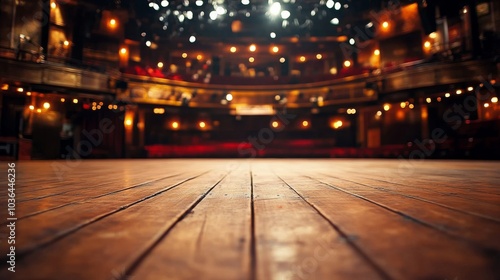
(254, 219)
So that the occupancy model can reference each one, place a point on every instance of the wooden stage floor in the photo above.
(254, 219)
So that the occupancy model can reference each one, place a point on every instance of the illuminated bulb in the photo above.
(385, 25)
(403, 105)
(252, 48)
(275, 8)
(347, 63)
(251, 59)
(338, 6)
(427, 44)
(66, 43)
(199, 57)
(302, 58)
(38, 110)
(319, 56)
(128, 122)
(433, 35)
(245, 2)
(376, 52)
(32, 107)
(282, 60)
(75, 101)
(53, 5)
(123, 51)
(334, 21)
(160, 65)
(229, 97)
(112, 22)
(494, 100)
(428, 100)
(285, 14)
(275, 49)
(28, 93)
(46, 105)
(184, 55)
(411, 106)
(447, 95)
(459, 91)
(202, 124)
(275, 124)
(232, 49)
(63, 100)
(387, 107)
(148, 43)
(192, 39)
(486, 105)
(337, 124)
(379, 113)
(175, 125)
(20, 89)
(272, 35)
(305, 123)
(470, 88)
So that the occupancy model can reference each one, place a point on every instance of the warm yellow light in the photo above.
(427, 44)
(494, 99)
(251, 59)
(20, 89)
(184, 55)
(175, 125)
(252, 48)
(433, 35)
(199, 57)
(75, 101)
(470, 88)
(459, 91)
(385, 25)
(447, 95)
(275, 124)
(275, 49)
(159, 111)
(319, 56)
(486, 105)
(46, 105)
(376, 52)
(128, 122)
(379, 113)
(202, 124)
(403, 105)
(123, 50)
(232, 49)
(387, 107)
(112, 22)
(337, 124)
(305, 123)
(302, 58)
(63, 99)
(32, 107)
(160, 64)
(38, 110)
(428, 100)
(282, 60)
(347, 63)
(411, 106)
(5, 86)
(53, 5)
(66, 43)
(28, 93)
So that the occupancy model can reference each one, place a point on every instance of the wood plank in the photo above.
(293, 241)
(55, 224)
(108, 246)
(214, 240)
(403, 248)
